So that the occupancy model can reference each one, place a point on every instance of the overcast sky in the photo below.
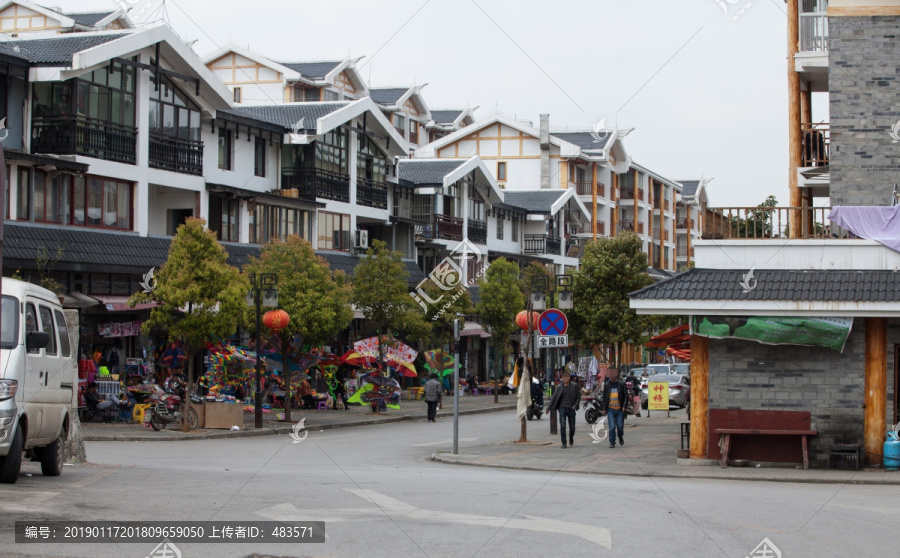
(706, 95)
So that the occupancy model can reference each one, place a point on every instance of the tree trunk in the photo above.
(186, 404)
(288, 381)
(75, 452)
(498, 367)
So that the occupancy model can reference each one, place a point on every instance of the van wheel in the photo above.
(10, 465)
(52, 458)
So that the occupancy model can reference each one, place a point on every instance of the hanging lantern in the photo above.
(276, 319)
(522, 319)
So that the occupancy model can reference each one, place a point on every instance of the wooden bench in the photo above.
(729, 432)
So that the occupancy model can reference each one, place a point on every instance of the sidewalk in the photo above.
(315, 420)
(649, 451)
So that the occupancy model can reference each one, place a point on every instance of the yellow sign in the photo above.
(658, 396)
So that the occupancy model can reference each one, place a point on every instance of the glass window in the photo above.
(331, 152)
(23, 195)
(500, 225)
(10, 320)
(40, 183)
(224, 149)
(334, 231)
(47, 327)
(123, 205)
(259, 157)
(237, 95)
(94, 201)
(111, 208)
(78, 199)
(30, 321)
(399, 121)
(311, 95)
(501, 170)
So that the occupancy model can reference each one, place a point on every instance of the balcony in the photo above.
(640, 194)
(682, 223)
(573, 242)
(816, 150)
(317, 184)
(69, 135)
(640, 228)
(765, 222)
(477, 231)
(176, 154)
(814, 32)
(371, 193)
(542, 244)
(626, 226)
(414, 138)
(626, 194)
(601, 227)
(584, 188)
(601, 190)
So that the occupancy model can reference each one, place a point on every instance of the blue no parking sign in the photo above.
(553, 322)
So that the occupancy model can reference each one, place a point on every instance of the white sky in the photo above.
(717, 108)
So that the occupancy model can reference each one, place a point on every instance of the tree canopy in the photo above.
(500, 299)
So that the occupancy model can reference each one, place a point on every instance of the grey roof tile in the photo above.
(584, 140)
(88, 18)
(55, 51)
(445, 116)
(421, 173)
(689, 187)
(533, 201)
(777, 284)
(387, 95)
(288, 115)
(312, 70)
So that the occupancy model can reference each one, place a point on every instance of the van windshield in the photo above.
(10, 322)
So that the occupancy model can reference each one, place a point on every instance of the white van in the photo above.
(37, 378)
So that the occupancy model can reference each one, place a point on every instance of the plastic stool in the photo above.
(323, 405)
(473, 391)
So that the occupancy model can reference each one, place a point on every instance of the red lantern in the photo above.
(276, 319)
(522, 319)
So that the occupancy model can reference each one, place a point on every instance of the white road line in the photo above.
(396, 508)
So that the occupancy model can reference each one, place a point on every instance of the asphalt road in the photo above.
(381, 495)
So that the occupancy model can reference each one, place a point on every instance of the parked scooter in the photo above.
(169, 407)
(591, 408)
(536, 408)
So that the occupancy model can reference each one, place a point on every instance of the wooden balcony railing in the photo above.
(640, 228)
(448, 228)
(626, 225)
(601, 227)
(681, 223)
(477, 231)
(542, 244)
(601, 190)
(414, 138)
(626, 194)
(71, 135)
(640, 194)
(317, 184)
(765, 222)
(816, 148)
(584, 188)
(371, 193)
(176, 154)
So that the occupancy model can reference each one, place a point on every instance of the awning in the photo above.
(119, 303)
(471, 329)
(78, 300)
(676, 336)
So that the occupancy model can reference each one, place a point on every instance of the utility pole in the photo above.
(262, 293)
(455, 386)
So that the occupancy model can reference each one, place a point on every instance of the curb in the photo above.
(438, 458)
(280, 429)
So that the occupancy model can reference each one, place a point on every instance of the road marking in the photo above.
(395, 508)
(443, 442)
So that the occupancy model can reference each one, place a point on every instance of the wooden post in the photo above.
(594, 193)
(794, 133)
(875, 396)
(699, 396)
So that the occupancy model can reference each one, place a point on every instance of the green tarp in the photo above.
(819, 332)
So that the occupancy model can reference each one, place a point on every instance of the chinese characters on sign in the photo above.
(552, 341)
(658, 396)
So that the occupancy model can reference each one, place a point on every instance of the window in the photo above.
(224, 149)
(334, 231)
(10, 319)
(515, 229)
(413, 127)
(370, 162)
(173, 113)
(311, 95)
(501, 170)
(271, 222)
(99, 95)
(101, 202)
(331, 152)
(47, 327)
(23, 195)
(332, 95)
(500, 225)
(223, 217)
(30, 322)
(476, 205)
(237, 94)
(259, 157)
(399, 121)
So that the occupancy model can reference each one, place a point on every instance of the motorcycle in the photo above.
(536, 408)
(591, 408)
(169, 407)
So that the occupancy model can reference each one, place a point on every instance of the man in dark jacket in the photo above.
(432, 396)
(613, 404)
(566, 400)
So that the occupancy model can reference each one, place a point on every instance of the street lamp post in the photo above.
(262, 292)
(541, 287)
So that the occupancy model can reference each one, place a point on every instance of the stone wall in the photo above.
(828, 384)
(864, 106)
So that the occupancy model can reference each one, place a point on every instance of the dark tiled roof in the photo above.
(689, 188)
(445, 116)
(421, 173)
(88, 18)
(388, 96)
(87, 250)
(55, 51)
(288, 115)
(661, 273)
(312, 70)
(584, 140)
(532, 201)
(788, 285)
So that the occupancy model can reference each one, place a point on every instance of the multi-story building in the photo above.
(19, 16)
(690, 206)
(406, 109)
(804, 274)
(447, 121)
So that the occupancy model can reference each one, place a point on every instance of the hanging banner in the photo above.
(818, 332)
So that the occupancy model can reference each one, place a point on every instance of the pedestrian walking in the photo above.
(633, 389)
(565, 400)
(433, 394)
(613, 405)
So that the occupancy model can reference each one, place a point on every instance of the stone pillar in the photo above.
(699, 396)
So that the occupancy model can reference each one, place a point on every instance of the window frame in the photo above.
(225, 152)
(236, 94)
(259, 157)
(501, 171)
(344, 237)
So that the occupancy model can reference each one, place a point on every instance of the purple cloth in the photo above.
(878, 223)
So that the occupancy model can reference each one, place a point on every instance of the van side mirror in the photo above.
(36, 340)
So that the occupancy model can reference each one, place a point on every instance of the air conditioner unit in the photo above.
(362, 240)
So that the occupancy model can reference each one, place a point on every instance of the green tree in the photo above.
(381, 293)
(501, 299)
(201, 298)
(448, 306)
(317, 300)
(610, 269)
(532, 272)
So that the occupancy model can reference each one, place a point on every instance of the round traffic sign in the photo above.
(553, 322)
